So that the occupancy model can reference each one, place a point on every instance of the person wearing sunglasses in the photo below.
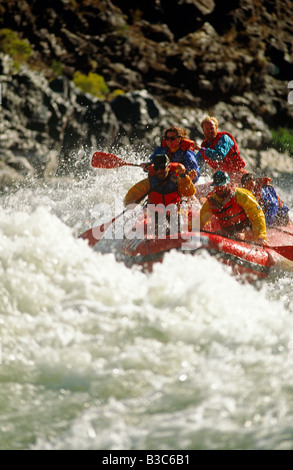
(167, 183)
(179, 149)
(220, 150)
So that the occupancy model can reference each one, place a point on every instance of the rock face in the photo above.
(174, 61)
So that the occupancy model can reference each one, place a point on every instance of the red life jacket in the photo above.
(232, 161)
(164, 192)
(230, 214)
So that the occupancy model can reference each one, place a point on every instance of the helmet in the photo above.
(246, 178)
(160, 160)
(220, 178)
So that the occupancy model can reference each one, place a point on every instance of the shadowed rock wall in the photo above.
(175, 62)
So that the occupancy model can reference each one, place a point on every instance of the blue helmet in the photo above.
(220, 178)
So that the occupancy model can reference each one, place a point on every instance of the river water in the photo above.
(95, 355)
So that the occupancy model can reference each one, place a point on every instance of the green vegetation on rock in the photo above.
(92, 83)
(282, 140)
(10, 43)
(95, 84)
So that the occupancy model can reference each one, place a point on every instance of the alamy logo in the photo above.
(135, 223)
(290, 95)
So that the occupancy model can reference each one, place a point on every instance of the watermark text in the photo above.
(137, 222)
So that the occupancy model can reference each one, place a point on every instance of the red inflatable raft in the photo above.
(243, 256)
(247, 259)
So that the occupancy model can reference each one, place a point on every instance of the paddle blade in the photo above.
(286, 251)
(106, 160)
(94, 235)
(88, 235)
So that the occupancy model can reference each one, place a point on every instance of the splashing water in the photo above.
(95, 355)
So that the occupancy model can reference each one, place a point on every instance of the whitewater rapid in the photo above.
(95, 355)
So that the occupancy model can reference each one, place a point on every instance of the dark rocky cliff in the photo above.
(174, 61)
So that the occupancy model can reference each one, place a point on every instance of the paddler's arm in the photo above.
(186, 187)
(205, 214)
(254, 213)
(219, 152)
(137, 191)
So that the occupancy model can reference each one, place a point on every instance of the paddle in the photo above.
(108, 160)
(94, 235)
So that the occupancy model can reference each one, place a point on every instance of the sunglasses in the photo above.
(160, 167)
(171, 138)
